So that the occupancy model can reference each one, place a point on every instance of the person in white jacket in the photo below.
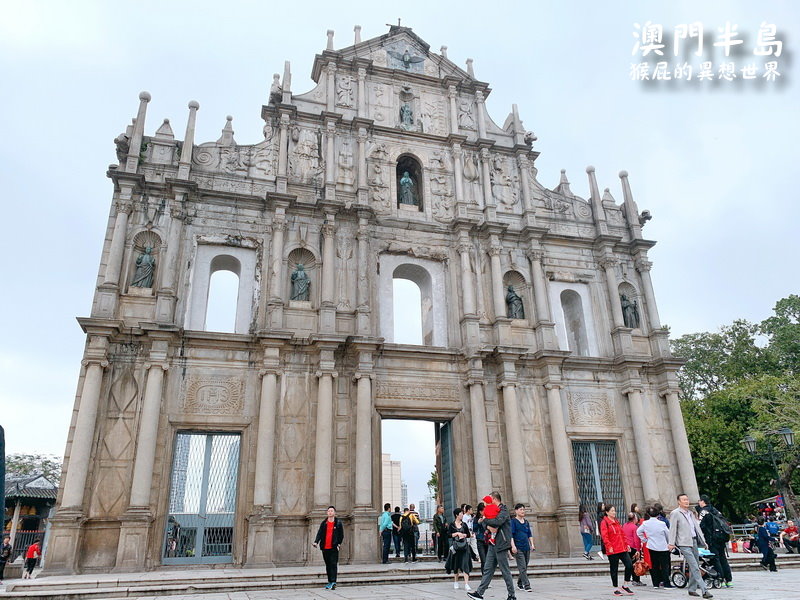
(655, 536)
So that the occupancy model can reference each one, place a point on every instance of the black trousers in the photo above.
(2, 568)
(661, 564)
(386, 538)
(441, 546)
(331, 558)
(768, 559)
(496, 559)
(482, 550)
(613, 562)
(721, 561)
(408, 547)
(789, 544)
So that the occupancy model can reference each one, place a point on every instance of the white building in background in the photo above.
(391, 481)
(403, 495)
(427, 507)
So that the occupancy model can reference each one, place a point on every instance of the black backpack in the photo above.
(720, 530)
(406, 523)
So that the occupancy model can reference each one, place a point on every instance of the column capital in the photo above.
(479, 96)
(124, 205)
(608, 262)
(157, 364)
(504, 384)
(458, 152)
(664, 392)
(464, 246)
(631, 389)
(536, 255)
(362, 375)
(285, 121)
(278, 226)
(484, 153)
(451, 91)
(362, 73)
(270, 371)
(101, 362)
(177, 212)
(473, 381)
(494, 250)
(642, 265)
(331, 67)
(522, 161)
(553, 386)
(328, 230)
(322, 372)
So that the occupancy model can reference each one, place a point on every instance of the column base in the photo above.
(546, 338)
(327, 317)
(502, 331)
(107, 300)
(315, 517)
(134, 539)
(260, 537)
(64, 542)
(165, 308)
(569, 535)
(366, 543)
(362, 320)
(281, 184)
(659, 343)
(471, 331)
(275, 314)
(623, 341)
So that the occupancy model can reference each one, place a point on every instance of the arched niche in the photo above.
(210, 259)
(631, 305)
(574, 322)
(303, 256)
(408, 163)
(141, 259)
(521, 288)
(223, 294)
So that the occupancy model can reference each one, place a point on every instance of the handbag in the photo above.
(459, 544)
(640, 567)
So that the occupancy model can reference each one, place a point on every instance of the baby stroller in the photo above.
(680, 572)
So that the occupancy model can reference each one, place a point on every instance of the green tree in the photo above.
(732, 386)
(433, 485)
(22, 465)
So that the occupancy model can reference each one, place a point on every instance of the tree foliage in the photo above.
(433, 484)
(22, 465)
(744, 379)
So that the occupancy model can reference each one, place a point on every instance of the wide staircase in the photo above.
(169, 581)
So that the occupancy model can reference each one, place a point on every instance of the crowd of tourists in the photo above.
(640, 541)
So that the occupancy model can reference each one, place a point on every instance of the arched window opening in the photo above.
(407, 308)
(409, 183)
(572, 307)
(223, 295)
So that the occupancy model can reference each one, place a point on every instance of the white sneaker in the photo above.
(455, 586)
(466, 587)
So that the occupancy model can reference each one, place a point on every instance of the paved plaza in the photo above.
(749, 585)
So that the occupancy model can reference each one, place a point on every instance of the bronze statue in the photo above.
(301, 284)
(145, 269)
(630, 312)
(514, 304)
(408, 193)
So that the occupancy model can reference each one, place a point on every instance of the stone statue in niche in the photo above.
(630, 312)
(408, 191)
(514, 304)
(344, 91)
(145, 269)
(406, 116)
(301, 284)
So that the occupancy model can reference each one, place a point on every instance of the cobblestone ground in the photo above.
(750, 585)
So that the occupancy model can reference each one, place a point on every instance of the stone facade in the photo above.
(304, 383)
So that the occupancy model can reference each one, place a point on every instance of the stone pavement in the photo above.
(749, 585)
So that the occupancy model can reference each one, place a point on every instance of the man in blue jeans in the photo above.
(385, 529)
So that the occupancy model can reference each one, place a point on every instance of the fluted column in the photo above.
(609, 266)
(283, 148)
(467, 287)
(480, 439)
(451, 95)
(118, 237)
(170, 268)
(458, 172)
(362, 92)
(148, 435)
(324, 440)
(83, 436)
(363, 439)
(330, 154)
(276, 287)
(562, 449)
(539, 286)
(516, 457)
(135, 148)
(643, 266)
(328, 261)
(362, 158)
(488, 199)
(497, 281)
(524, 169)
(265, 444)
(331, 91)
(681, 443)
(480, 111)
(641, 438)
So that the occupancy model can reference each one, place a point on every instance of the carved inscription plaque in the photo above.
(213, 395)
(423, 392)
(591, 408)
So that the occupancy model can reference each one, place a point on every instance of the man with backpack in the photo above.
(408, 522)
(717, 532)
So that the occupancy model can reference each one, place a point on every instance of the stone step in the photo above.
(206, 581)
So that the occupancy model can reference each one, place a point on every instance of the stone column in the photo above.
(681, 443)
(562, 449)
(83, 436)
(165, 304)
(362, 158)
(324, 443)
(497, 280)
(363, 440)
(148, 434)
(362, 92)
(609, 265)
(458, 172)
(330, 154)
(328, 260)
(643, 266)
(641, 437)
(362, 289)
(331, 91)
(480, 111)
(117, 250)
(488, 199)
(524, 169)
(265, 445)
(467, 289)
(516, 459)
(539, 286)
(276, 287)
(132, 162)
(452, 94)
(480, 439)
(283, 148)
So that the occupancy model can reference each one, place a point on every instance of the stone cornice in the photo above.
(101, 327)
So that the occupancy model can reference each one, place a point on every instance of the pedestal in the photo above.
(366, 543)
(134, 540)
(569, 535)
(623, 341)
(260, 536)
(275, 314)
(545, 333)
(165, 308)
(659, 343)
(64, 543)
(327, 318)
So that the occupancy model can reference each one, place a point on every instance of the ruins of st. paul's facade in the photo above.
(542, 361)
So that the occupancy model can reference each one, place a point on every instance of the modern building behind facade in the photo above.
(544, 364)
(391, 474)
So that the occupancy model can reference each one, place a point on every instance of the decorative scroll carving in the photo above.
(591, 408)
(213, 395)
(421, 391)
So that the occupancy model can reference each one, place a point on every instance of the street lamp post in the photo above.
(772, 456)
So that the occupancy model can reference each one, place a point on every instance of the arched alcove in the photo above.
(631, 305)
(302, 256)
(572, 307)
(223, 294)
(409, 195)
(516, 280)
(144, 260)
(407, 311)
(420, 277)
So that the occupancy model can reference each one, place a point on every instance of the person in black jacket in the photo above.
(717, 545)
(497, 553)
(329, 537)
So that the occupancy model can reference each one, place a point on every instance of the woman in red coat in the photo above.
(617, 550)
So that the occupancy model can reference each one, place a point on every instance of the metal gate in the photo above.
(202, 499)
(597, 473)
(447, 483)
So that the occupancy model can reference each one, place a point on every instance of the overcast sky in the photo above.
(715, 163)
